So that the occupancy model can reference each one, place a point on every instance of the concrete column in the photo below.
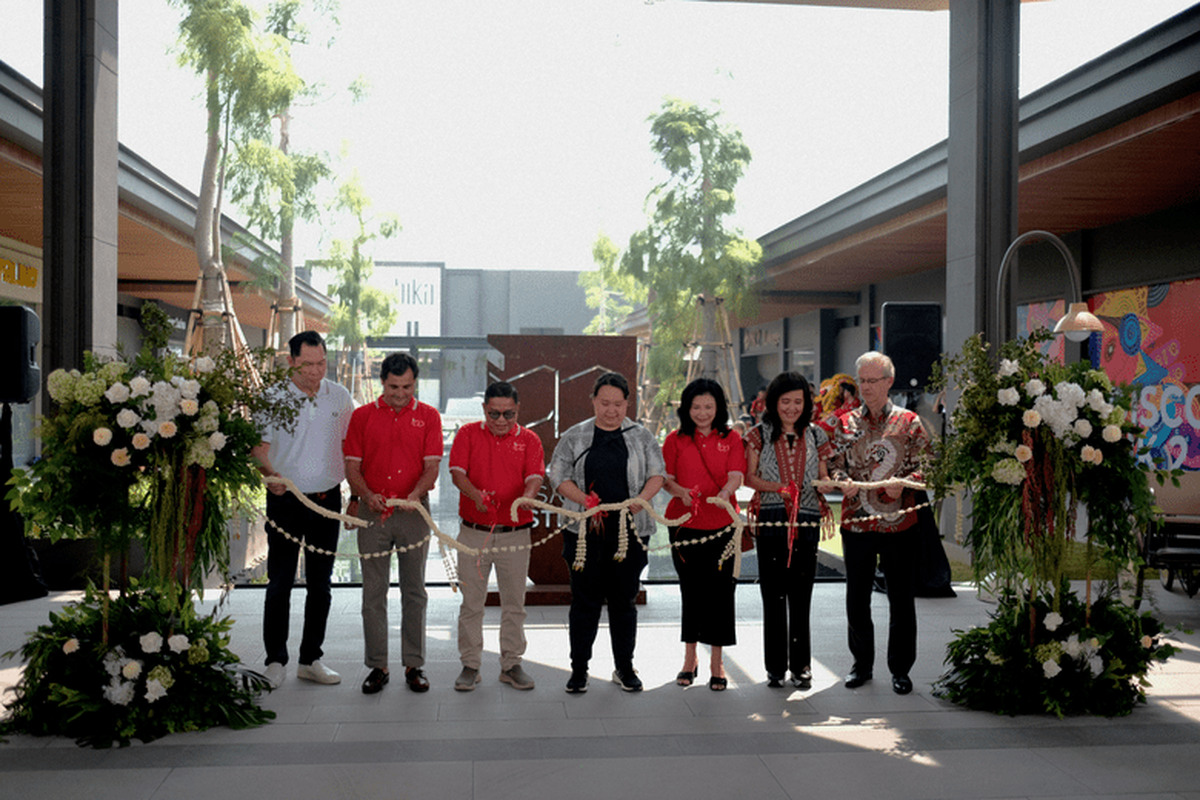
(981, 217)
(80, 180)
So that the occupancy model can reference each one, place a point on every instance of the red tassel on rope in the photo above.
(792, 502)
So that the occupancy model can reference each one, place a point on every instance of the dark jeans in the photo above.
(786, 593)
(603, 579)
(706, 592)
(896, 553)
(288, 513)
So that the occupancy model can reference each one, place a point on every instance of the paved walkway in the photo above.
(667, 742)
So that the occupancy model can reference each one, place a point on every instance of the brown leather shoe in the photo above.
(415, 678)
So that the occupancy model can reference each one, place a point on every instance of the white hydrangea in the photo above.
(1008, 397)
(1071, 393)
(112, 662)
(205, 364)
(151, 642)
(117, 393)
(1008, 367)
(217, 440)
(1099, 403)
(119, 692)
(1095, 664)
(1008, 471)
(1057, 415)
(1050, 668)
(1072, 646)
(61, 385)
(154, 691)
(1035, 388)
(190, 388)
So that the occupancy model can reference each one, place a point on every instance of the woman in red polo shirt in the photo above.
(704, 458)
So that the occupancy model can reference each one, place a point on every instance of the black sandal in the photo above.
(718, 684)
(686, 678)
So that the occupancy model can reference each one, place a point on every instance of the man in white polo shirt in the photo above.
(311, 457)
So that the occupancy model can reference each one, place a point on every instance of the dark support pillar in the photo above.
(981, 217)
(80, 180)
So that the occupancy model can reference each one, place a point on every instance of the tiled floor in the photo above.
(749, 742)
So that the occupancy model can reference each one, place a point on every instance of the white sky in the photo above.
(507, 134)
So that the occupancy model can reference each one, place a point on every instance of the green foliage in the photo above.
(614, 293)
(685, 250)
(1031, 659)
(361, 310)
(138, 666)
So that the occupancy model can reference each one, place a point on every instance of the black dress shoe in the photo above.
(901, 684)
(375, 681)
(802, 679)
(415, 678)
(856, 679)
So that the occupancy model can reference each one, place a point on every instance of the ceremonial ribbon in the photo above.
(792, 502)
(591, 501)
(489, 500)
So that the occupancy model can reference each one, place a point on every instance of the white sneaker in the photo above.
(275, 674)
(317, 673)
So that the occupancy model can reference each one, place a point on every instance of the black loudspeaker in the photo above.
(20, 376)
(912, 338)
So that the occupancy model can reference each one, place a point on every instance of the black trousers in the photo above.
(786, 593)
(706, 592)
(288, 513)
(896, 555)
(604, 580)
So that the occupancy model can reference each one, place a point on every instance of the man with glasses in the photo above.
(311, 456)
(493, 463)
(878, 442)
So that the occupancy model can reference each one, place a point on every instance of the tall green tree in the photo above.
(274, 186)
(687, 250)
(360, 310)
(613, 293)
(248, 78)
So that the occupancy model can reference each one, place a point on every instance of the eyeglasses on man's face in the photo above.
(510, 414)
(872, 381)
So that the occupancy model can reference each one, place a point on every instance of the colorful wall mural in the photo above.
(1151, 340)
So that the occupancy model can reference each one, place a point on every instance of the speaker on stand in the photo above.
(20, 331)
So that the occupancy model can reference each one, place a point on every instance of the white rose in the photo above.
(1008, 397)
(1050, 668)
(139, 387)
(1035, 388)
(178, 643)
(217, 440)
(1008, 367)
(1052, 621)
(1083, 428)
(127, 418)
(154, 691)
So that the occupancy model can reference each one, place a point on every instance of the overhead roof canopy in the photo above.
(156, 256)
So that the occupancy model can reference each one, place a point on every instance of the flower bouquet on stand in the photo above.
(1033, 444)
(157, 451)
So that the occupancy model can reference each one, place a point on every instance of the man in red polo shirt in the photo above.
(392, 449)
(493, 463)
